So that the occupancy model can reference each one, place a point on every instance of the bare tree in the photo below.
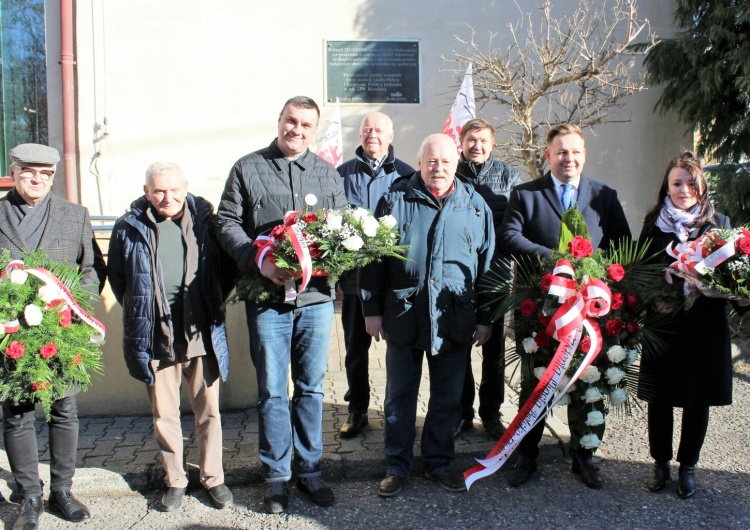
(575, 68)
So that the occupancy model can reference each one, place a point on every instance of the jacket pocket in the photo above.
(399, 318)
(460, 319)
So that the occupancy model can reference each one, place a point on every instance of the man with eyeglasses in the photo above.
(32, 218)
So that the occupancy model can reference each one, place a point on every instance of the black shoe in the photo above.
(462, 426)
(494, 428)
(660, 478)
(583, 465)
(276, 498)
(354, 424)
(391, 485)
(31, 509)
(449, 480)
(70, 507)
(172, 499)
(318, 491)
(221, 496)
(522, 471)
(686, 485)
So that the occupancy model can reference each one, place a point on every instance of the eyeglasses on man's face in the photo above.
(30, 172)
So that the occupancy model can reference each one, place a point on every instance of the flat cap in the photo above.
(35, 154)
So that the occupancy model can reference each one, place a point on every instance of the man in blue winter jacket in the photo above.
(366, 177)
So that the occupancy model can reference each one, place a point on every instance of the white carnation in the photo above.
(361, 214)
(594, 418)
(370, 226)
(592, 395)
(353, 243)
(33, 315)
(530, 345)
(618, 396)
(388, 221)
(616, 353)
(565, 400)
(539, 372)
(614, 375)
(632, 357)
(48, 293)
(18, 276)
(591, 375)
(590, 441)
(334, 221)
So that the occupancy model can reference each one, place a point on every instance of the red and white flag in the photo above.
(463, 109)
(331, 146)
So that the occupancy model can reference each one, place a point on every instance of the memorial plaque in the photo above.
(373, 71)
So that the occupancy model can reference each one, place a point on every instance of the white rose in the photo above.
(616, 353)
(539, 372)
(18, 276)
(48, 293)
(353, 243)
(311, 200)
(388, 221)
(618, 396)
(590, 441)
(361, 214)
(592, 395)
(614, 375)
(530, 345)
(632, 357)
(334, 221)
(591, 375)
(370, 226)
(33, 315)
(565, 400)
(594, 418)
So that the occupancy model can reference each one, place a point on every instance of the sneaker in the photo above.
(276, 498)
(318, 491)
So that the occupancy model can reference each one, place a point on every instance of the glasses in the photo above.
(29, 172)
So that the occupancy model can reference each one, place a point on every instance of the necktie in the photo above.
(567, 196)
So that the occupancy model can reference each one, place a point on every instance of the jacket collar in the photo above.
(388, 165)
(584, 193)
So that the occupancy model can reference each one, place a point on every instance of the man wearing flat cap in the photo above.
(33, 218)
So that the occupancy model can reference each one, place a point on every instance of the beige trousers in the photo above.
(202, 375)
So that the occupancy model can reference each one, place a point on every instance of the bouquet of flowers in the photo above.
(49, 341)
(322, 243)
(717, 265)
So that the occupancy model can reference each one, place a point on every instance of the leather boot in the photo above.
(583, 465)
(686, 485)
(660, 477)
(522, 471)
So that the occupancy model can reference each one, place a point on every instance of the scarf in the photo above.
(672, 220)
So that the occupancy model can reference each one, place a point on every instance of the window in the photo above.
(23, 76)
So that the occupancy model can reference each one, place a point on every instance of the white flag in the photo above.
(463, 109)
(331, 146)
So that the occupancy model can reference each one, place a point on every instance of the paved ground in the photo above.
(119, 474)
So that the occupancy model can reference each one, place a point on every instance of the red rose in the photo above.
(586, 345)
(616, 301)
(315, 251)
(614, 327)
(545, 319)
(632, 327)
(77, 358)
(66, 317)
(745, 231)
(291, 220)
(528, 307)
(310, 217)
(546, 282)
(541, 339)
(38, 386)
(580, 247)
(631, 300)
(743, 245)
(616, 272)
(278, 232)
(48, 351)
(15, 350)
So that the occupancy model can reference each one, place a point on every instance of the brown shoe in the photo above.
(391, 485)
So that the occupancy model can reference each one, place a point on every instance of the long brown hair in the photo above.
(690, 163)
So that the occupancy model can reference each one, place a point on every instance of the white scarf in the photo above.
(676, 221)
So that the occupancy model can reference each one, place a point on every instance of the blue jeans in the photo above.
(357, 342)
(278, 336)
(403, 374)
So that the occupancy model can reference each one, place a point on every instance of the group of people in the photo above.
(172, 262)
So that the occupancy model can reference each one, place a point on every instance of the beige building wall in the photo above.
(202, 83)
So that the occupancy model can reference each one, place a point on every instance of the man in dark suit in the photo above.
(530, 228)
(30, 218)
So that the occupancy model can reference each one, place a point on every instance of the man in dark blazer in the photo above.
(531, 227)
(30, 218)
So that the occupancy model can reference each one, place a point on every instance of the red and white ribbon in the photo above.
(692, 256)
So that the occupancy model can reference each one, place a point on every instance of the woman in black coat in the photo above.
(695, 371)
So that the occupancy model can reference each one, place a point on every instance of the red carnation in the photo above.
(77, 358)
(545, 319)
(528, 307)
(580, 247)
(743, 245)
(614, 327)
(541, 339)
(310, 217)
(546, 282)
(616, 301)
(631, 300)
(315, 251)
(291, 220)
(66, 317)
(616, 272)
(38, 386)
(278, 232)
(585, 345)
(48, 351)
(632, 327)
(15, 350)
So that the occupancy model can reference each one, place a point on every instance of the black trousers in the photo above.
(492, 385)
(357, 342)
(20, 444)
(660, 431)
